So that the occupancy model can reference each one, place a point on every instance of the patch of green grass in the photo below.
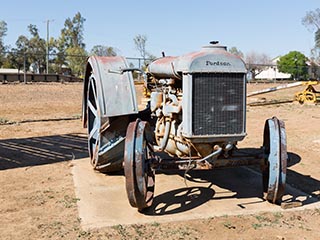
(262, 218)
(277, 216)
(3, 121)
(121, 231)
(139, 229)
(229, 225)
(155, 224)
(69, 202)
(77, 116)
(182, 232)
(49, 193)
(84, 234)
(257, 225)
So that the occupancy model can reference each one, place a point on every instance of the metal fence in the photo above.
(32, 77)
(37, 67)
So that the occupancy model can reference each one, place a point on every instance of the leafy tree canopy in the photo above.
(294, 63)
(312, 21)
(76, 58)
(236, 52)
(3, 32)
(72, 33)
(100, 50)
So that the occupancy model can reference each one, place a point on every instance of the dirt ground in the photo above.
(37, 198)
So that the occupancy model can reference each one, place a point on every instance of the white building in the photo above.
(272, 72)
(10, 70)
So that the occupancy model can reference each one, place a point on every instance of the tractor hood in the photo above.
(211, 58)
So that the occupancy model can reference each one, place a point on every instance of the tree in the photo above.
(3, 33)
(73, 31)
(60, 58)
(294, 63)
(257, 62)
(314, 70)
(317, 38)
(76, 58)
(28, 52)
(236, 52)
(312, 21)
(36, 50)
(140, 42)
(100, 50)
(71, 42)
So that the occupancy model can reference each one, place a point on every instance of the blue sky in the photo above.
(175, 26)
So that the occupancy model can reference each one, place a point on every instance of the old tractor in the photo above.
(194, 118)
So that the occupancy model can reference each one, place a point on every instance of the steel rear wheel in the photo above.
(105, 134)
(140, 178)
(94, 122)
(275, 165)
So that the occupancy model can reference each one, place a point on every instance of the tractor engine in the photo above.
(199, 100)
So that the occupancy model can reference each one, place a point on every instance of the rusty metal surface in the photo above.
(163, 67)
(140, 179)
(188, 108)
(107, 93)
(283, 157)
(212, 58)
(105, 146)
(274, 170)
(199, 138)
(115, 90)
(129, 163)
(94, 122)
(194, 164)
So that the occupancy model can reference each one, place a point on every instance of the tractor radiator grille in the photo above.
(218, 103)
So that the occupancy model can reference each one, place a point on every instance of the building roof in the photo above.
(272, 73)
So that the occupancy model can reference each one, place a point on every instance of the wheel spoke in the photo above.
(93, 85)
(94, 122)
(95, 130)
(93, 110)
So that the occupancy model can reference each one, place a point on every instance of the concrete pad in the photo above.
(103, 200)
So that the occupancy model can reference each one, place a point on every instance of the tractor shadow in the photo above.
(28, 152)
(231, 183)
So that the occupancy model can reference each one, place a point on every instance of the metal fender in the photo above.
(115, 90)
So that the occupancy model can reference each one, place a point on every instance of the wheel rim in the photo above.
(300, 98)
(94, 122)
(311, 97)
(274, 169)
(140, 179)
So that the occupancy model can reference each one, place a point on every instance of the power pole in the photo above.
(48, 21)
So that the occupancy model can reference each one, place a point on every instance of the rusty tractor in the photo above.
(194, 118)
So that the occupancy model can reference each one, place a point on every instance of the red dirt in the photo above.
(37, 199)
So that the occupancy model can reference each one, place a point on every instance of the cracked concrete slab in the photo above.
(202, 194)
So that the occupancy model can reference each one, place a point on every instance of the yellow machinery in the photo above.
(309, 94)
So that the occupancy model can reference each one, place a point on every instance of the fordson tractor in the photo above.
(196, 114)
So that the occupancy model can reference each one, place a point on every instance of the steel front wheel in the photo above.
(140, 178)
(275, 165)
